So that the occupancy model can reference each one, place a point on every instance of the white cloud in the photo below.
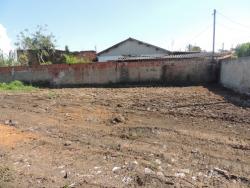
(5, 41)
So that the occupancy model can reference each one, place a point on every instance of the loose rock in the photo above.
(127, 180)
(160, 174)
(116, 169)
(10, 122)
(67, 143)
(148, 171)
(158, 161)
(118, 119)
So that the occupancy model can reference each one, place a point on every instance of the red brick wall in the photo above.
(180, 71)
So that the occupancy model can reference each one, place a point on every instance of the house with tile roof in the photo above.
(130, 48)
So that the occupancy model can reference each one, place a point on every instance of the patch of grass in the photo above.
(15, 86)
(52, 95)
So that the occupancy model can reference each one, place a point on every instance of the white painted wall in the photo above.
(130, 48)
(235, 74)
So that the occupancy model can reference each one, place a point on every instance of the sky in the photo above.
(99, 24)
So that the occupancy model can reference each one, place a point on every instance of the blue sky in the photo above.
(84, 24)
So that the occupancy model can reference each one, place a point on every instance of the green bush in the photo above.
(70, 59)
(243, 50)
(15, 86)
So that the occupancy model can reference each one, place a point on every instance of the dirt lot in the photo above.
(125, 137)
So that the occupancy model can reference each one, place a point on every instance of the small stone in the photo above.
(160, 174)
(127, 180)
(72, 185)
(116, 169)
(98, 172)
(158, 161)
(148, 171)
(10, 122)
(135, 162)
(173, 160)
(180, 174)
(118, 119)
(195, 151)
(60, 167)
(186, 171)
(67, 115)
(132, 165)
(67, 143)
(160, 168)
(194, 178)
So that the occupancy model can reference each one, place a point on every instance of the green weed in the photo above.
(15, 86)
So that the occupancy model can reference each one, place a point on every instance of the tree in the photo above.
(40, 41)
(193, 48)
(8, 60)
(243, 50)
(66, 49)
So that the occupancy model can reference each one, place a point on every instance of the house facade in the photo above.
(130, 48)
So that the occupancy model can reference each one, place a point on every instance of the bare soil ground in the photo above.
(125, 137)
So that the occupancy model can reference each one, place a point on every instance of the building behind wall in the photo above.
(131, 48)
(57, 57)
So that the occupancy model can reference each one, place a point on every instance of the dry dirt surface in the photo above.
(125, 137)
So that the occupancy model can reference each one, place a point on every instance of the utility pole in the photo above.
(214, 14)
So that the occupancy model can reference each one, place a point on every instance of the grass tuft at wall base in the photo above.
(15, 86)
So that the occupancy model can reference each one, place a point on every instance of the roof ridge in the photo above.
(133, 39)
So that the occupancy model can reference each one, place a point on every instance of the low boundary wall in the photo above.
(235, 75)
(172, 72)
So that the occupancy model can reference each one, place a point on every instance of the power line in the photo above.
(201, 32)
(233, 21)
(231, 28)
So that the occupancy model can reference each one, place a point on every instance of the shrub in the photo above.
(46, 63)
(23, 59)
(243, 50)
(70, 59)
(15, 85)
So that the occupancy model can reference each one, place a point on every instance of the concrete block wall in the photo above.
(173, 72)
(235, 75)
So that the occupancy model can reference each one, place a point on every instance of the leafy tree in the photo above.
(23, 58)
(193, 48)
(243, 50)
(40, 41)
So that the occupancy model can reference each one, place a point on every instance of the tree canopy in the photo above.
(193, 48)
(243, 50)
(40, 41)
